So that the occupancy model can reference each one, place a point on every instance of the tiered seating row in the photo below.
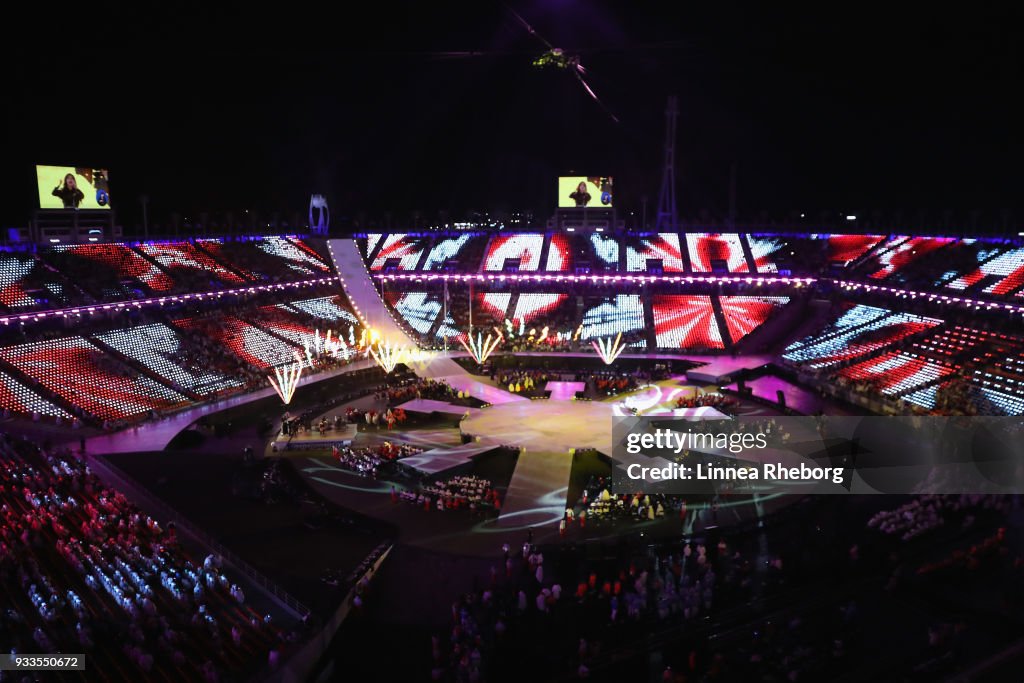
(164, 353)
(743, 314)
(707, 248)
(894, 373)
(81, 374)
(685, 322)
(860, 340)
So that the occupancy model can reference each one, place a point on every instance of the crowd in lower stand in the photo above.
(926, 513)
(566, 611)
(83, 570)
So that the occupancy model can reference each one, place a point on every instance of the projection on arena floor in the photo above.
(71, 187)
(593, 192)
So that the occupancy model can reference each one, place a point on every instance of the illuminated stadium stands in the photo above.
(82, 375)
(894, 373)
(744, 314)
(283, 322)
(1004, 274)
(846, 248)
(185, 262)
(663, 246)
(333, 310)
(418, 309)
(708, 249)
(685, 322)
(523, 249)
(493, 305)
(821, 350)
(251, 344)
(163, 352)
(104, 269)
(29, 284)
(403, 251)
(444, 250)
(606, 318)
(532, 306)
(274, 259)
(902, 252)
(605, 251)
(764, 249)
(15, 397)
(559, 254)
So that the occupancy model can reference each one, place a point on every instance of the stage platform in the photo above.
(429, 406)
(342, 436)
(564, 391)
(439, 460)
(719, 369)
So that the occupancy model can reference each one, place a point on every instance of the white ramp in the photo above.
(362, 293)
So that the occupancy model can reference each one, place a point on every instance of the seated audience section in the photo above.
(112, 272)
(604, 318)
(163, 352)
(333, 310)
(559, 254)
(716, 252)
(824, 351)
(85, 570)
(271, 259)
(520, 251)
(15, 397)
(28, 284)
(191, 267)
(419, 310)
(539, 308)
(894, 373)
(852, 316)
(449, 251)
(744, 314)
(764, 249)
(1001, 275)
(903, 252)
(370, 244)
(662, 247)
(685, 322)
(251, 344)
(284, 322)
(846, 248)
(85, 377)
(605, 252)
(401, 252)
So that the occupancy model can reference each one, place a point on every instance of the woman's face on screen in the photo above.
(69, 182)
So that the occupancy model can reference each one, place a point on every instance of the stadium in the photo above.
(588, 442)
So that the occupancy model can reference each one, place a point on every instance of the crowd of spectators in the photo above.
(86, 571)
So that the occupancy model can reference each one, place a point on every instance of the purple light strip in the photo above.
(929, 296)
(139, 303)
(603, 279)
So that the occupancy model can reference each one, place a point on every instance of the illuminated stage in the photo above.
(545, 431)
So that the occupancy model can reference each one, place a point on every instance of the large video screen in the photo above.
(70, 187)
(593, 192)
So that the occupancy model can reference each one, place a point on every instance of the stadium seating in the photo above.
(685, 322)
(82, 375)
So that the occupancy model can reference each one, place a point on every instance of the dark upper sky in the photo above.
(232, 108)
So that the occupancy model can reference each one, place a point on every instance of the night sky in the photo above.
(435, 106)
